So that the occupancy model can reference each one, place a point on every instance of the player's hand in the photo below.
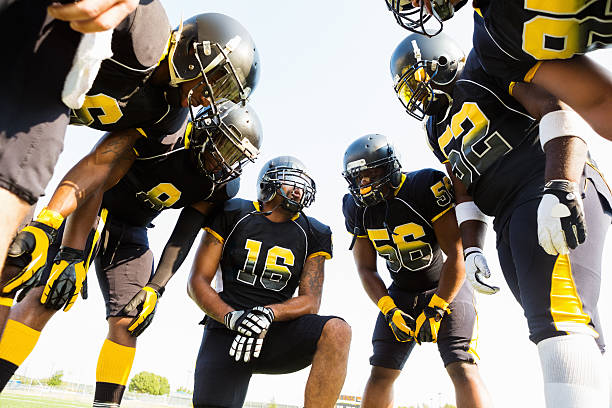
(65, 280)
(28, 251)
(146, 303)
(561, 224)
(246, 348)
(477, 270)
(402, 324)
(428, 322)
(250, 322)
(88, 16)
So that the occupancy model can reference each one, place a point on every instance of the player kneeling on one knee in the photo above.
(265, 250)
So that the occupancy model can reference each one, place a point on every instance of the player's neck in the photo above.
(277, 212)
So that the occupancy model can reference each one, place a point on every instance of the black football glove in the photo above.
(66, 279)
(146, 302)
(28, 252)
(428, 322)
(402, 324)
(250, 322)
(561, 224)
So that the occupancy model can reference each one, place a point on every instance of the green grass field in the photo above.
(31, 401)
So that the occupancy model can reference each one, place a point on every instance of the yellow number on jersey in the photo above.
(164, 195)
(405, 249)
(109, 106)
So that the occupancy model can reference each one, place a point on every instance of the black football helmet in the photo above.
(222, 148)
(221, 51)
(414, 18)
(369, 152)
(419, 67)
(285, 170)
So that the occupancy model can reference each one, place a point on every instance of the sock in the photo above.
(574, 372)
(114, 365)
(17, 343)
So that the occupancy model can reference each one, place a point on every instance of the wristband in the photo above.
(385, 304)
(564, 123)
(468, 211)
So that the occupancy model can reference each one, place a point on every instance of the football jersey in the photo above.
(169, 181)
(408, 241)
(121, 96)
(510, 36)
(262, 260)
(489, 140)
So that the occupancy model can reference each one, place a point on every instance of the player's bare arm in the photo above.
(89, 16)
(203, 271)
(453, 269)
(364, 255)
(310, 290)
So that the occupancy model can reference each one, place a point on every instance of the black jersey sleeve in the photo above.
(168, 129)
(224, 221)
(320, 241)
(433, 193)
(353, 217)
(432, 129)
(226, 191)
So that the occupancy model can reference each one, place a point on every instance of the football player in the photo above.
(409, 220)
(491, 148)
(265, 250)
(44, 45)
(209, 56)
(541, 43)
(200, 172)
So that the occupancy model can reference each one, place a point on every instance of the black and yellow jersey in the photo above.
(511, 36)
(401, 228)
(122, 97)
(492, 144)
(262, 260)
(153, 185)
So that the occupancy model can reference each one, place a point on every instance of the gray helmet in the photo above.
(419, 65)
(285, 170)
(414, 18)
(369, 152)
(222, 148)
(219, 49)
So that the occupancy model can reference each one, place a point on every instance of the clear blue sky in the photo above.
(325, 81)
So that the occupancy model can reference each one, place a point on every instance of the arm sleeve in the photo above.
(353, 217)
(321, 242)
(223, 220)
(185, 231)
(434, 194)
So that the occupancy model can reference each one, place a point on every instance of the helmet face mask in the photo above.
(414, 19)
(414, 89)
(226, 142)
(371, 157)
(380, 182)
(286, 172)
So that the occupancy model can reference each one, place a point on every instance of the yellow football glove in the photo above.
(28, 251)
(428, 322)
(65, 280)
(402, 325)
(146, 303)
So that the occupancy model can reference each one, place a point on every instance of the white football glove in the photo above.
(561, 224)
(476, 270)
(245, 348)
(250, 322)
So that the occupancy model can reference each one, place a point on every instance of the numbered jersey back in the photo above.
(409, 243)
(512, 35)
(488, 139)
(121, 96)
(262, 260)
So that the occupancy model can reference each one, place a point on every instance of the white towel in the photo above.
(93, 48)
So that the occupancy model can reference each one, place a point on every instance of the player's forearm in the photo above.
(565, 158)
(452, 277)
(207, 299)
(81, 222)
(296, 307)
(178, 245)
(98, 171)
(372, 284)
(473, 233)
